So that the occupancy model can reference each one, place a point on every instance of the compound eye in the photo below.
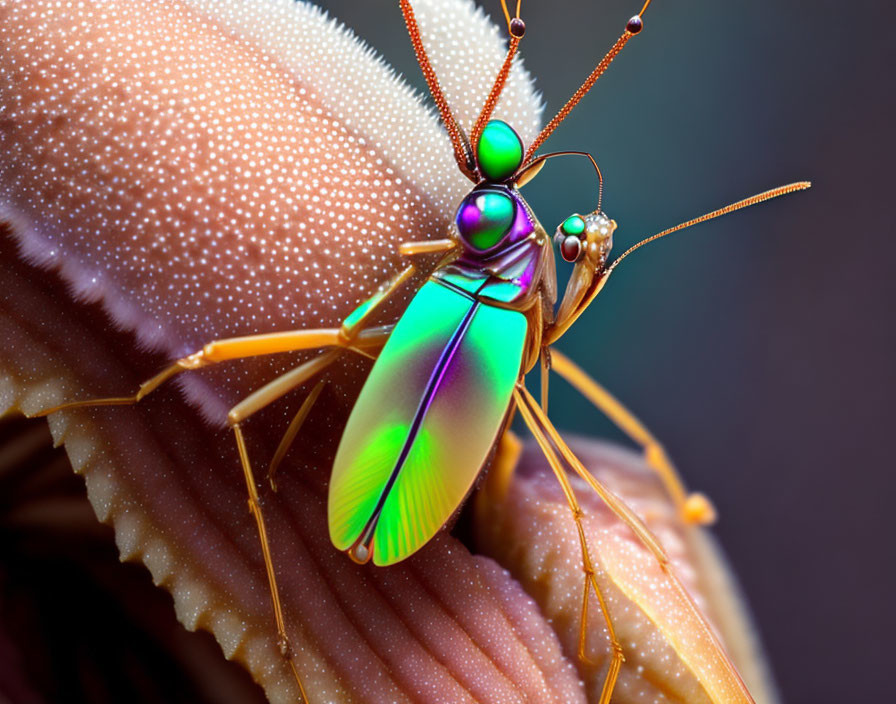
(571, 248)
(573, 225)
(580, 233)
(569, 238)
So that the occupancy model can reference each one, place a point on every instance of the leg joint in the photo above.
(346, 335)
(197, 359)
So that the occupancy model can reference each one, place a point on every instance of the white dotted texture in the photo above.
(214, 168)
(467, 51)
(465, 48)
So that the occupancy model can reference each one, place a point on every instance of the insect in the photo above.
(452, 367)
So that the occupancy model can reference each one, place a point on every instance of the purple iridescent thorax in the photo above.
(492, 216)
(503, 256)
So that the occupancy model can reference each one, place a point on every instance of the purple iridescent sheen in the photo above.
(512, 271)
(469, 215)
(474, 218)
(522, 224)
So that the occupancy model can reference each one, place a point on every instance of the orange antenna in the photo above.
(507, 14)
(517, 29)
(463, 154)
(745, 203)
(632, 27)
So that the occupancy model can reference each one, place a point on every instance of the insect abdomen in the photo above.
(424, 422)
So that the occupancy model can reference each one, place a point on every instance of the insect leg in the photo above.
(256, 346)
(372, 337)
(695, 507)
(255, 509)
(219, 351)
(250, 405)
(294, 427)
(637, 526)
(279, 386)
(529, 412)
(545, 373)
(239, 413)
(409, 249)
(497, 480)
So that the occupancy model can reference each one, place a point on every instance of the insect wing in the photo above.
(424, 422)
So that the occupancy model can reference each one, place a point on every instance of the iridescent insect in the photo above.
(449, 375)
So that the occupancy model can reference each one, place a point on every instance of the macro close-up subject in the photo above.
(349, 357)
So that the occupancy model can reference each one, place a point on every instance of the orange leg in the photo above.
(243, 410)
(549, 439)
(371, 338)
(255, 510)
(250, 405)
(533, 418)
(349, 336)
(219, 351)
(695, 507)
(292, 431)
(410, 249)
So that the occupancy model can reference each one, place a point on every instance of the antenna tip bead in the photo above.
(634, 25)
(517, 27)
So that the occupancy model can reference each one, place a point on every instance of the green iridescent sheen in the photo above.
(503, 291)
(441, 455)
(357, 315)
(460, 429)
(499, 152)
(381, 417)
(495, 220)
(463, 281)
(573, 225)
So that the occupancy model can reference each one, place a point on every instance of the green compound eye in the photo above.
(499, 152)
(573, 225)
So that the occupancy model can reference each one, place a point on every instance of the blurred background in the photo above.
(759, 348)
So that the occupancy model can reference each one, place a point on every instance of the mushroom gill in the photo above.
(180, 171)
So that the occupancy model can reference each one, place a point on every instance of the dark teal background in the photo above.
(759, 348)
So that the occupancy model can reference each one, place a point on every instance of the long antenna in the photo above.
(632, 27)
(517, 29)
(463, 154)
(531, 170)
(745, 203)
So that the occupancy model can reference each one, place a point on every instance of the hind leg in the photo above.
(237, 415)
(529, 411)
(255, 402)
(350, 335)
(292, 431)
(552, 439)
(694, 508)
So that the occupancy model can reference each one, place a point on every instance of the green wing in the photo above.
(424, 423)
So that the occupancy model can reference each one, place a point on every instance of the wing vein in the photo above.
(432, 385)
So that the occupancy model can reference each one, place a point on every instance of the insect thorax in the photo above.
(505, 248)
